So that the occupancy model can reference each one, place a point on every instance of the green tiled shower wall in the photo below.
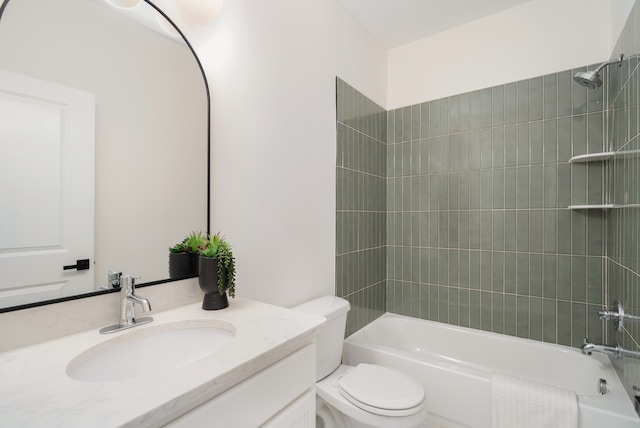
(361, 205)
(478, 230)
(623, 245)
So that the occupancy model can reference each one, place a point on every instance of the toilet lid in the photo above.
(382, 390)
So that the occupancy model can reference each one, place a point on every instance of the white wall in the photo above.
(271, 66)
(533, 39)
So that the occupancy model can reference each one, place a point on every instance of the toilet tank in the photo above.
(329, 339)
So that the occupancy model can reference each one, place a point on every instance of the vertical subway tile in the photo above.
(536, 231)
(522, 274)
(523, 187)
(510, 188)
(498, 106)
(510, 315)
(522, 316)
(406, 124)
(579, 140)
(498, 147)
(415, 122)
(510, 104)
(564, 185)
(578, 278)
(497, 313)
(498, 272)
(434, 118)
(474, 150)
(549, 287)
(563, 270)
(564, 320)
(523, 101)
(535, 318)
(536, 143)
(474, 309)
(465, 113)
(523, 144)
(510, 274)
(550, 141)
(536, 98)
(498, 188)
(486, 150)
(564, 231)
(565, 82)
(424, 120)
(595, 133)
(485, 311)
(486, 108)
(475, 110)
(578, 323)
(486, 189)
(550, 186)
(549, 233)
(510, 230)
(549, 321)
(564, 139)
(444, 116)
(454, 114)
(550, 96)
(536, 186)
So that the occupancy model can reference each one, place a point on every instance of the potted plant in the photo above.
(183, 257)
(217, 273)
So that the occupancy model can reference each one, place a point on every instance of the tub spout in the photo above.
(589, 348)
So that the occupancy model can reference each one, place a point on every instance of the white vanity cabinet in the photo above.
(282, 395)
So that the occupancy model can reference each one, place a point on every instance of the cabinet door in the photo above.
(299, 414)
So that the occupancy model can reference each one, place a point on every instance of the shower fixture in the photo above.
(591, 79)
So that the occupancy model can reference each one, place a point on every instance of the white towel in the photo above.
(525, 404)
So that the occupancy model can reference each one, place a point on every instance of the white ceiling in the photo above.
(397, 22)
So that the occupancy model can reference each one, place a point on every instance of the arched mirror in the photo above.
(86, 73)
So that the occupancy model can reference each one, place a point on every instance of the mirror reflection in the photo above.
(77, 74)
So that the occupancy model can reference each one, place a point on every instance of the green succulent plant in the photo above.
(217, 247)
(193, 243)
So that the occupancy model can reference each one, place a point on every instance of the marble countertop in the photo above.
(36, 391)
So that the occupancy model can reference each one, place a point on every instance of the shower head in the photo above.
(591, 79)
(588, 79)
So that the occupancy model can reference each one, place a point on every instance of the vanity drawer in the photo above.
(259, 398)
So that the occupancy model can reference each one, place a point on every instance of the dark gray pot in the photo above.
(183, 265)
(208, 280)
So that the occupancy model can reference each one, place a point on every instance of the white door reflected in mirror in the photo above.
(46, 156)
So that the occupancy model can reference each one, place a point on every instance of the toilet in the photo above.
(363, 396)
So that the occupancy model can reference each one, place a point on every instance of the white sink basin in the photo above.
(154, 349)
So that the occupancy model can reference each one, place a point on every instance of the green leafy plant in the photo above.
(193, 243)
(217, 247)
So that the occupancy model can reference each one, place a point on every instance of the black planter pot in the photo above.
(183, 265)
(208, 280)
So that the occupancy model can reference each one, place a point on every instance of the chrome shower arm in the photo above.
(613, 61)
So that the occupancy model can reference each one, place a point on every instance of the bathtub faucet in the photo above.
(589, 348)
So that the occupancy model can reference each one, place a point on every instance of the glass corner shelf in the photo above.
(592, 157)
(591, 207)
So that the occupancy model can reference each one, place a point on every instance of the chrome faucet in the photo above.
(589, 348)
(128, 299)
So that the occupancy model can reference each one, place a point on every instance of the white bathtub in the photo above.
(455, 365)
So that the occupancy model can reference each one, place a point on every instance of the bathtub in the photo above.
(455, 365)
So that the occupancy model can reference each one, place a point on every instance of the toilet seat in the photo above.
(382, 391)
(328, 392)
